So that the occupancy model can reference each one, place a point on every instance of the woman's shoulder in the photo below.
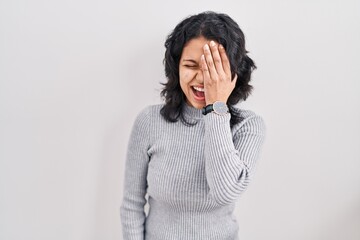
(246, 113)
(147, 117)
(249, 119)
(150, 111)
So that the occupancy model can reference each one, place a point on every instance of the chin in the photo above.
(196, 104)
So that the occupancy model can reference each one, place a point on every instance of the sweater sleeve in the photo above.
(132, 212)
(230, 160)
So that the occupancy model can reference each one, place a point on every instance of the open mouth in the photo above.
(198, 93)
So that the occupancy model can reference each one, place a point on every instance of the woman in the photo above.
(195, 154)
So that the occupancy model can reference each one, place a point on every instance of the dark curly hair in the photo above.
(212, 26)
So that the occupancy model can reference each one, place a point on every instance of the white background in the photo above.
(74, 74)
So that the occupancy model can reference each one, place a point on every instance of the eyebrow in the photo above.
(190, 60)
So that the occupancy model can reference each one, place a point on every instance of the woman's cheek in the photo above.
(188, 76)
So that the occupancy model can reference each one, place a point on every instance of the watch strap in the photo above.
(207, 109)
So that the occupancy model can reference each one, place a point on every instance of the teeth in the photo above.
(199, 89)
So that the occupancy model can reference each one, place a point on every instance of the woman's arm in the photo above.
(230, 160)
(132, 208)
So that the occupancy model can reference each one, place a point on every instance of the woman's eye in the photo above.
(190, 66)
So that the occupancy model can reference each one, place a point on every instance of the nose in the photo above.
(199, 76)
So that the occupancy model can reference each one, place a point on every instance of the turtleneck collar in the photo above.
(191, 112)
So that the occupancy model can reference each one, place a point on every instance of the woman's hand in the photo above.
(215, 65)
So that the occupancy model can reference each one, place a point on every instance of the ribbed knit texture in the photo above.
(193, 175)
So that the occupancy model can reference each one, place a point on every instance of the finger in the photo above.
(225, 60)
(205, 69)
(234, 79)
(216, 57)
(210, 62)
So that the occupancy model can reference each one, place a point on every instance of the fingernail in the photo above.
(212, 43)
(221, 46)
(206, 47)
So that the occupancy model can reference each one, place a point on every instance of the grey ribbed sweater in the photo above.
(193, 175)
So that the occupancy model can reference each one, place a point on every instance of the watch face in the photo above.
(220, 108)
